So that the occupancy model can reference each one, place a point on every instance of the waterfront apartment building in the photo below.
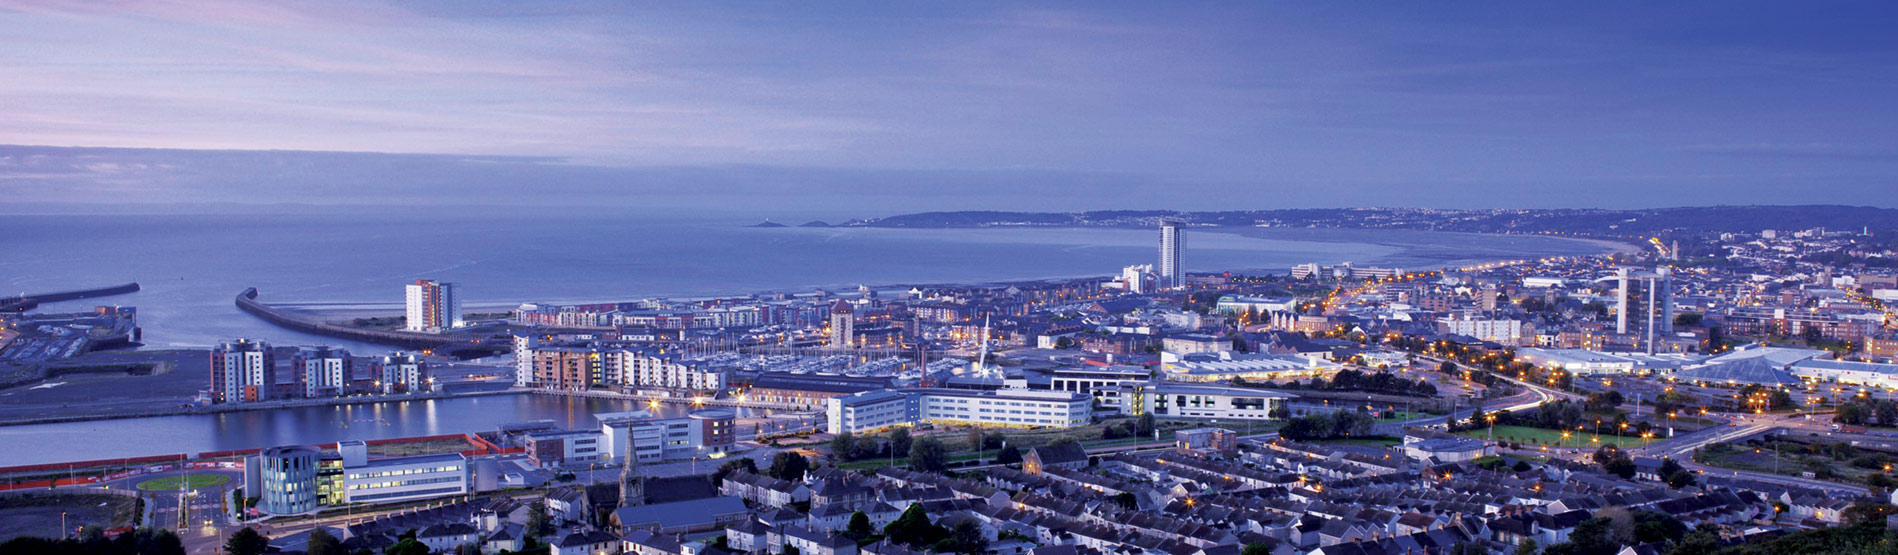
(875, 410)
(568, 368)
(243, 371)
(433, 306)
(843, 323)
(1172, 243)
(402, 373)
(581, 367)
(322, 371)
(642, 368)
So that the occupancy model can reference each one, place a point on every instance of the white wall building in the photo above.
(322, 371)
(1504, 331)
(873, 410)
(404, 478)
(1201, 401)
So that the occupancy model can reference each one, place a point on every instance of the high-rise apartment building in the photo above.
(322, 371)
(242, 371)
(1172, 241)
(401, 373)
(433, 306)
(843, 323)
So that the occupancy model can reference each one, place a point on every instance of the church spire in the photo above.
(632, 488)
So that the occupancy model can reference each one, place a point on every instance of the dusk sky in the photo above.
(878, 108)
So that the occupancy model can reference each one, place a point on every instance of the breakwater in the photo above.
(30, 301)
(247, 302)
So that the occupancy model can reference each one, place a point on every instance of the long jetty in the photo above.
(28, 302)
(247, 302)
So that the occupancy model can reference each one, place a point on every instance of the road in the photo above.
(1534, 396)
(198, 515)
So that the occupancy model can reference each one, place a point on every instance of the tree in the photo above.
(1615, 462)
(790, 550)
(1866, 511)
(322, 543)
(1527, 547)
(741, 463)
(789, 466)
(1145, 425)
(246, 542)
(912, 527)
(408, 546)
(900, 440)
(539, 523)
(467, 549)
(967, 537)
(1256, 549)
(1009, 455)
(1127, 500)
(1521, 466)
(1681, 479)
(844, 447)
(859, 527)
(928, 455)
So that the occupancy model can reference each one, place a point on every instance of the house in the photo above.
(750, 536)
(567, 505)
(681, 517)
(1064, 455)
(593, 542)
(506, 538)
(814, 542)
(444, 537)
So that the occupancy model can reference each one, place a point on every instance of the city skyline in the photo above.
(962, 107)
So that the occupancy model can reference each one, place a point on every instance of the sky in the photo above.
(878, 108)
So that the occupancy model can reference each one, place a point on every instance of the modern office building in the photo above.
(287, 478)
(433, 306)
(243, 371)
(1172, 242)
(394, 479)
(1224, 366)
(322, 371)
(870, 411)
(557, 448)
(1101, 382)
(1167, 400)
(874, 410)
(402, 373)
(700, 433)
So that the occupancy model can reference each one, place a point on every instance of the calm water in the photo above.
(192, 266)
(106, 439)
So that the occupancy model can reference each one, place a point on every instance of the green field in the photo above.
(1402, 416)
(1552, 438)
(172, 483)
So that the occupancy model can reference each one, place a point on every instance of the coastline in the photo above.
(1441, 255)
